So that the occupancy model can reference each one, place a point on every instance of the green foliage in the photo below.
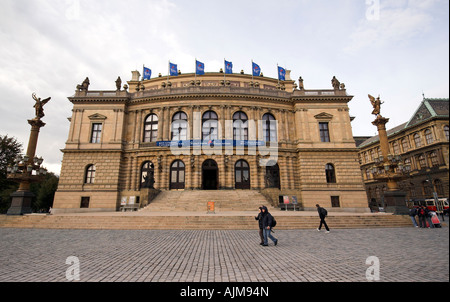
(44, 191)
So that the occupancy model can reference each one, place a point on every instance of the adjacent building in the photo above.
(423, 146)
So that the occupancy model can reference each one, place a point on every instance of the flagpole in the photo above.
(168, 72)
(224, 71)
(278, 74)
(252, 70)
(195, 70)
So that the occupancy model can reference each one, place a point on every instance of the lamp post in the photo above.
(27, 169)
(389, 168)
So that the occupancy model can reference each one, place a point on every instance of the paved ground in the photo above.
(404, 254)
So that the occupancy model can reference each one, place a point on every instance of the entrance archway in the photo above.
(272, 178)
(210, 175)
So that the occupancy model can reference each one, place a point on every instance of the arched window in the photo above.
(177, 170)
(90, 174)
(396, 147)
(272, 179)
(330, 173)
(209, 126)
(428, 137)
(151, 128)
(179, 126)
(147, 175)
(417, 140)
(269, 128)
(242, 175)
(426, 189)
(422, 161)
(439, 187)
(446, 132)
(240, 126)
(434, 159)
(405, 145)
(407, 164)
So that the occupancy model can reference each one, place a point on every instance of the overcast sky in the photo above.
(397, 49)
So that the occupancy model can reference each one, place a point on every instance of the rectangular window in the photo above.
(335, 202)
(96, 134)
(324, 132)
(85, 202)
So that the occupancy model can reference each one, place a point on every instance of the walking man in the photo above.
(412, 214)
(267, 220)
(260, 222)
(322, 214)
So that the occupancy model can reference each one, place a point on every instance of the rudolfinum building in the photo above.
(213, 131)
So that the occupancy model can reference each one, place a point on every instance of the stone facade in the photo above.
(118, 142)
(423, 144)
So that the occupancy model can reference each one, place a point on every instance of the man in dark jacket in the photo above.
(267, 220)
(422, 212)
(412, 214)
(260, 222)
(322, 214)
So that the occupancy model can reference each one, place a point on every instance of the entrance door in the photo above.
(272, 176)
(242, 175)
(177, 170)
(210, 175)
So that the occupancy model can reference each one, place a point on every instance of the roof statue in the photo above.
(84, 86)
(376, 103)
(336, 84)
(39, 106)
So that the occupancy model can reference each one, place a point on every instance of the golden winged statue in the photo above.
(376, 103)
(39, 106)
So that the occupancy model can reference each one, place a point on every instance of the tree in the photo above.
(9, 149)
(44, 193)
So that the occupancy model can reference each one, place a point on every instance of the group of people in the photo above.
(266, 220)
(424, 216)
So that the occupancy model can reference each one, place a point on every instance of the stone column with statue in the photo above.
(388, 167)
(27, 169)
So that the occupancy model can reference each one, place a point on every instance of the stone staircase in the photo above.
(197, 200)
(202, 221)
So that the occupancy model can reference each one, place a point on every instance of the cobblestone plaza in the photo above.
(405, 255)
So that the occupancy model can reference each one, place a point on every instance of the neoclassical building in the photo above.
(422, 146)
(210, 132)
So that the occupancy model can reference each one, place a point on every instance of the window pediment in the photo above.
(324, 116)
(97, 117)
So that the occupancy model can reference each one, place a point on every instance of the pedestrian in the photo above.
(322, 214)
(412, 215)
(428, 217)
(267, 221)
(422, 214)
(260, 222)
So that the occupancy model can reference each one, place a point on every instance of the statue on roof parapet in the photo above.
(84, 86)
(118, 83)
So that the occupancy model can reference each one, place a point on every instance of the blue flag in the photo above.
(228, 67)
(199, 67)
(173, 69)
(281, 74)
(256, 70)
(147, 73)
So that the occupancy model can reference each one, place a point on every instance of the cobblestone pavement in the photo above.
(405, 254)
